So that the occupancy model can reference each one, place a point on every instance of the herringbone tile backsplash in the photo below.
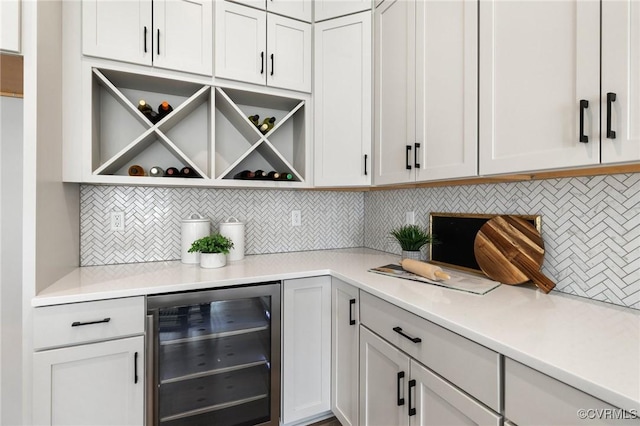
(590, 226)
(153, 220)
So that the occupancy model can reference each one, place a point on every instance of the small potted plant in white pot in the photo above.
(411, 239)
(213, 250)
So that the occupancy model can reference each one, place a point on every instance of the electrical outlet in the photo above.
(117, 221)
(296, 218)
(410, 218)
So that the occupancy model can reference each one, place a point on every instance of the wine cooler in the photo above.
(214, 357)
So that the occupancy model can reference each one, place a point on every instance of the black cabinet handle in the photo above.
(407, 157)
(584, 104)
(412, 410)
(145, 39)
(365, 164)
(352, 304)
(272, 64)
(611, 98)
(415, 155)
(400, 377)
(158, 42)
(400, 332)
(261, 62)
(135, 367)
(78, 323)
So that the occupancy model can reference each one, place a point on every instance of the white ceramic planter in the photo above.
(212, 260)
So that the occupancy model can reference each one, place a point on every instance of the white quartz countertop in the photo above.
(590, 345)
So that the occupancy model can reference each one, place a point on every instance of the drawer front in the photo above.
(527, 390)
(470, 366)
(75, 323)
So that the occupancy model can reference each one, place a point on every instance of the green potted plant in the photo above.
(213, 250)
(411, 239)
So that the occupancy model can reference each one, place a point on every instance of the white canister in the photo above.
(193, 228)
(234, 230)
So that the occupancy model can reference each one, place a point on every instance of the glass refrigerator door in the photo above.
(214, 363)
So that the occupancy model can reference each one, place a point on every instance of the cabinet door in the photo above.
(446, 89)
(306, 353)
(344, 357)
(327, 9)
(342, 90)
(289, 53)
(394, 92)
(439, 403)
(183, 35)
(119, 30)
(240, 43)
(621, 77)
(10, 25)
(538, 60)
(384, 372)
(258, 4)
(297, 9)
(94, 384)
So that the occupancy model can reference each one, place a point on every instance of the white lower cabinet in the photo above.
(89, 364)
(345, 345)
(396, 390)
(563, 404)
(306, 348)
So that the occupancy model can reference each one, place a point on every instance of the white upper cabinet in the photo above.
(10, 26)
(447, 86)
(394, 91)
(119, 30)
(260, 48)
(539, 85)
(297, 9)
(425, 80)
(342, 92)
(172, 34)
(240, 43)
(327, 9)
(289, 53)
(183, 35)
(620, 81)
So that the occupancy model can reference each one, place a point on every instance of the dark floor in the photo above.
(328, 422)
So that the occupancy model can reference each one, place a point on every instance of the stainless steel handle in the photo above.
(151, 369)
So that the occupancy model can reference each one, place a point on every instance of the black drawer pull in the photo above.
(135, 367)
(352, 304)
(584, 104)
(408, 166)
(415, 155)
(145, 39)
(400, 332)
(158, 41)
(400, 377)
(412, 410)
(611, 98)
(365, 164)
(78, 323)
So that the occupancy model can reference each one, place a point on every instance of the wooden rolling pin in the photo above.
(424, 269)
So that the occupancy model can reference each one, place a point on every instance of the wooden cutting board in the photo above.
(510, 250)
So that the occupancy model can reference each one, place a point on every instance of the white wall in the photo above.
(11, 259)
(50, 232)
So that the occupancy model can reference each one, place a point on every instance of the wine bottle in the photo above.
(286, 176)
(147, 111)
(273, 175)
(245, 174)
(172, 172)
(164, 109)
(267, 124)
(254, 120)
(188, 172)
(156, 171)
(136, 170)
(260, 174)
